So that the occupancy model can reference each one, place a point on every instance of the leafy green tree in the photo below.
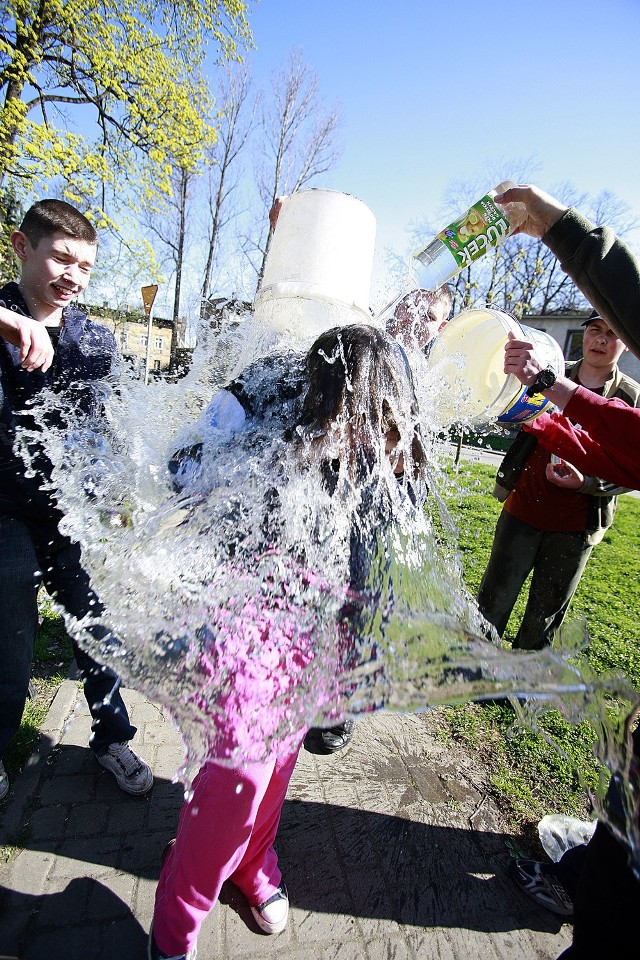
(128, 70)
(13, 214)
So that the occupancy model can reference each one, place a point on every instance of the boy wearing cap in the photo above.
(49, 347)
(545, 527)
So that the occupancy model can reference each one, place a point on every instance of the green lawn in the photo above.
(532, 777)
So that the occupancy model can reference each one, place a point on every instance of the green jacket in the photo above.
(602, 495)
(604, 269)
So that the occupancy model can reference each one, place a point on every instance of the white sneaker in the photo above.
(272, 915)
(132, 774)
(4, 781)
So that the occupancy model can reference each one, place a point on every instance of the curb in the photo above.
(24, 787)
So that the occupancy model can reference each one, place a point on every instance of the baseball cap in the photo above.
(594, 315)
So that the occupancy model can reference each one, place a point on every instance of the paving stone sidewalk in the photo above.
(391, 851)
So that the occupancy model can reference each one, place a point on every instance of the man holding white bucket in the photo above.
(547, 527)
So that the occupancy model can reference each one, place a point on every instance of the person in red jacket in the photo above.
(549, 528)
(606, 444)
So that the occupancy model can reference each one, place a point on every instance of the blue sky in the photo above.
(434, 92)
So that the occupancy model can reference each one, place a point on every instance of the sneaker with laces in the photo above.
(540, 883)
(272, 915)
(132, 774)
(4, 781)
(155, 953)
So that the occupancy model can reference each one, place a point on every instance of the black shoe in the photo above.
(154, 952)
(335, 738)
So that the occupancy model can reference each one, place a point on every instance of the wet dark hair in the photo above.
(357, 375)
(56, 216)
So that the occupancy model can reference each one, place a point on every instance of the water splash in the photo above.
(292, 576)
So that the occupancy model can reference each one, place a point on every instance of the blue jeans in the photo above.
(32, 554)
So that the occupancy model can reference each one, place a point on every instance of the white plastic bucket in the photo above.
(467, 361)
(318, 270)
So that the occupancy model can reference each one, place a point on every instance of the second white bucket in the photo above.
(467, 361)
(318, 270)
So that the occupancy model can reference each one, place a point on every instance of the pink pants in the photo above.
(226, 831)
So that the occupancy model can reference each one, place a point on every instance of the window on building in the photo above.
(157, 343)
(123, 339)
(143, 340)
(156, 365)
(573, 345)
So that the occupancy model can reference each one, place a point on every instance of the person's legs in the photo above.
(513, 553)
(605, 920)
(569, 867)
(68, 584)
(226, 830)
(19, 583)
(558, 567)
(258, 875)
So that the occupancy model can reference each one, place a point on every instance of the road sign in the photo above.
(148, 296)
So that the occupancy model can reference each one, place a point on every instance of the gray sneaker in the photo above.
(539, 882)
(4, 781)
(132, 774)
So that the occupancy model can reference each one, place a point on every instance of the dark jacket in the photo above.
(602, 495)
(604, 269)
(84, 355)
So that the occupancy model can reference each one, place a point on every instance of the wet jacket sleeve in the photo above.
(604, 269)
(224, 415)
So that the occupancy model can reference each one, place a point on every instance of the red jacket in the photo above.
(607, 443)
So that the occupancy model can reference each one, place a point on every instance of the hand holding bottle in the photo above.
(541, 209)
(485, 225)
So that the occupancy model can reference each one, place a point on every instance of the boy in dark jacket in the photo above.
(46, 344)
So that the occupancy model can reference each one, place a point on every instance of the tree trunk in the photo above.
(27, 53)
(213, 238)
(12, 113)
(182, 210)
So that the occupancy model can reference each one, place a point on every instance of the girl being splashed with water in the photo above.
(345, 422)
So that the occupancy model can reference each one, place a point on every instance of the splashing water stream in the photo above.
(283, 575)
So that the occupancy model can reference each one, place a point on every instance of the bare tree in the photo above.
(522, 276)
(234, 125)
(533, 281)
(298, 143)
(169, 226)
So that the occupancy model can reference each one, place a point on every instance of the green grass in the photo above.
(531, 776)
